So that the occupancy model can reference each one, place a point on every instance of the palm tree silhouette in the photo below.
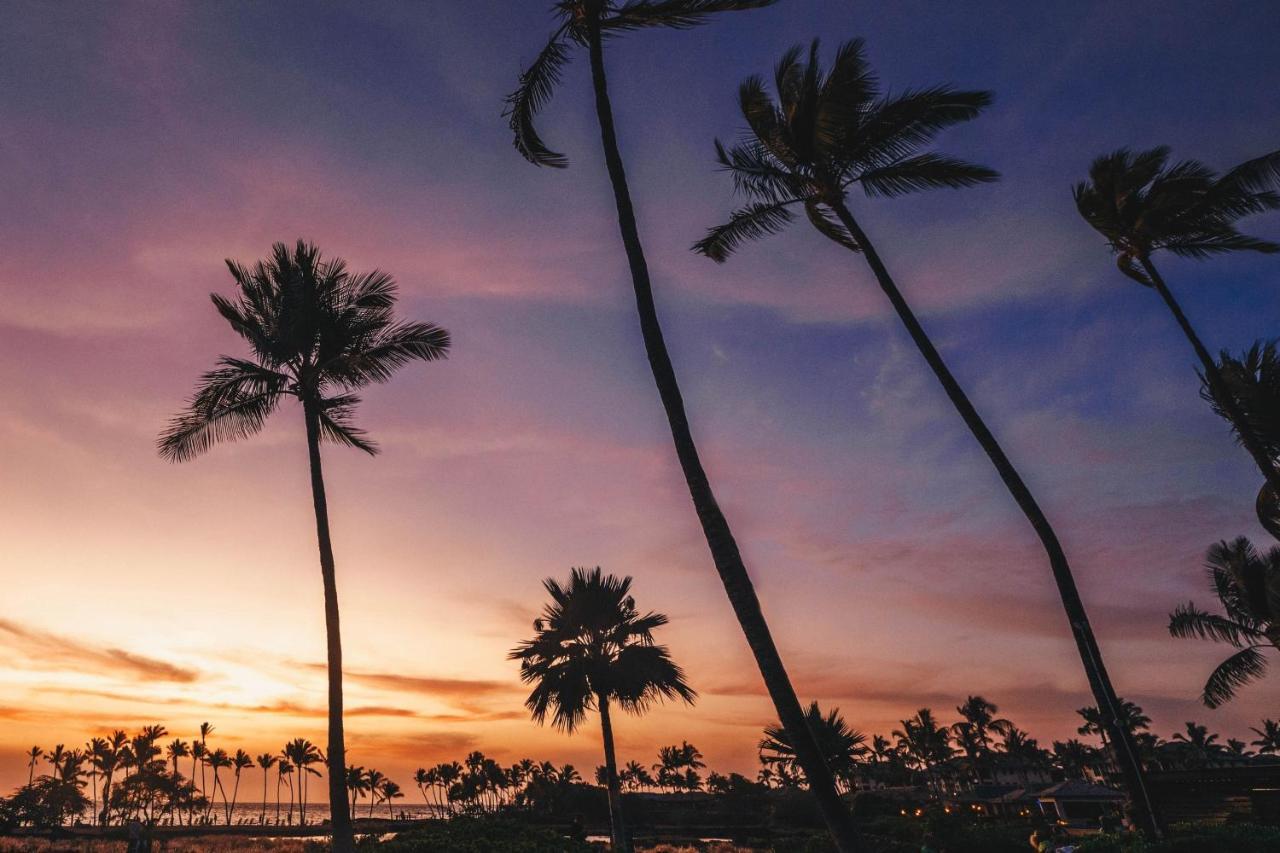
(284, 768)
(1268, 741)
(218, 760)
(239, 762)
(922, 740)
(317, 332)
(355, 784)
(587, 23)
(390, 791)
(33, 756)
(373, 780)
(1252, 383)
(1247, 584)
(592, 649)
(827, 133)
(265, 762)
(841, 745)
(1142, 205)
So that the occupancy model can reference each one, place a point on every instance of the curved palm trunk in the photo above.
(1219, 386)
(724, 550)
(617, 822)
(1099, 682)
(343, 838)
(262, 820)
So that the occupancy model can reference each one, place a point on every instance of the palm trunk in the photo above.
(617, 822)
(1216, 383)
(343, 838)
(720, 541)
(262, 820)
(1099, 682)
(235, 795)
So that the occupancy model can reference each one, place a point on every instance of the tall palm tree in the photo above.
(1247, 584)
(318, 333)
(587, 24)
(356, 784)
(389, 791)
(93, 752)
(922, 740)
(1268, 741)
(591, 650)
(266, 761)
(55, 760)
(1141, 204)
(206, 729)
(827, 133)
(33, 756)
(841, 745)
(284, 768)
(218, 760)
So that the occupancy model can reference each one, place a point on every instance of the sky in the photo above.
(144, 143)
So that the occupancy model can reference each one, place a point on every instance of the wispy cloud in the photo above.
(47, 649)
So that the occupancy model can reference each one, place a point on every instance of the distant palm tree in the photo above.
(841, 745)
(206, 729)
(284, 773)
(94, 750)
(373, 780)
(33, 755)
(828, 133)
(110, 759)
(592, 649)
(356, 784)
(922, 740)
(266, 761)
(1268, 741)
(390, 791)
(1199, 742)
(1142, 205)
(239, 762)
(55, 760)
(317, 333)
(1238, 748)
(302, 753)
(588, 24)
(1247, 584)
(218, 760)
(178, 748)
(1130, 717)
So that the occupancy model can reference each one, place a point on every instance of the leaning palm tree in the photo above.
(317, 332)
(1268, 741)
(265, 762)
(591, 650)
(1247, 584)
(1142, 205)
(239, 762)
(218, 760)
(587, 24)
(832, 131)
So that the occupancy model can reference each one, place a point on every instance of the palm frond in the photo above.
(389, 350)
(1187, 621)
(896, 126)
(1256, 175)
(537, 83)
(1235, 672)
(335, 415)
(924, 172)
(196, 430)
(755, 173)
(748, 223)
(674, 14)
(1201, 246)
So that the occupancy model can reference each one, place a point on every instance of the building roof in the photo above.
(1075, 789)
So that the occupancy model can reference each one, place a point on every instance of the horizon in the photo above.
(147, 143)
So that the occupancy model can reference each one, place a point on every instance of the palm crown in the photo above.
(1247, 584)
(1140, 204)
(316, 332)
(538, 81)
(591, 642)
(828, 131)
(841, 745)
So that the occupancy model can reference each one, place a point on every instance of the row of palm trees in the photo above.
(319, 333)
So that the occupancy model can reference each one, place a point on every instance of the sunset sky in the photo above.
(141, 144)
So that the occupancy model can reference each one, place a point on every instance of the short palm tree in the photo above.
(390, 791)
(1268, 741)
(592, 650)
(924, 742)
(589, 24)
(1247, 584)
(1141, 204)
(827, 133)
(317, 332)
(841, 745)
(265, 762)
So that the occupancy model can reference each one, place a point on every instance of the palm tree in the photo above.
(284, 769)
(1247, 584)
(841, 745)
(1199, 742)
(239, 761)
(303, 753)
(33, 755)
(828, 133)
(218, 760)
(592, 649)
(108, 761)
(355, 784)
(924, 741)
(1253, 385)
(178, 748)
(55, 760)
(390, 791)
(1130, 716)
(266, 761)
(1141, 205)
(1268, 741)
(373, 780)
(317, 333)
(587, 23)
(94, 750)
(206, 729)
